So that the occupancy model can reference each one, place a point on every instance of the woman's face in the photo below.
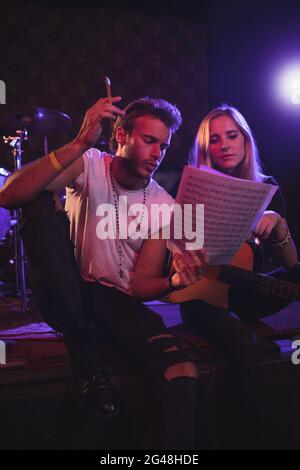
(226, 143)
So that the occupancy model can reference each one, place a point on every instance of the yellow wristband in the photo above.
(55, 162)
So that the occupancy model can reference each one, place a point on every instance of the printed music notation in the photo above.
(232, 208)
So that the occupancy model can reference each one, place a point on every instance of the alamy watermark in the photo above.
(163, 221)
(2, 92)
(2, 352)
(296, 354)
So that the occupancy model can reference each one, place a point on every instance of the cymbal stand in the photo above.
(15, 143)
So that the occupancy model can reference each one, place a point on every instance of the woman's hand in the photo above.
(267, 223)
(189, 266)
(91, 128)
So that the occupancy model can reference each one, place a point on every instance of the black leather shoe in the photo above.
(95, 393)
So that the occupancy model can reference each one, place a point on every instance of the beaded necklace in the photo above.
(138, 227)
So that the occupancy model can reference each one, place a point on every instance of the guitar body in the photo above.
(209, 288)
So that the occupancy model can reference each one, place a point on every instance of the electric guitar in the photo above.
(215, 282)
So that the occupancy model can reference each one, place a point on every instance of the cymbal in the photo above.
(41, 121)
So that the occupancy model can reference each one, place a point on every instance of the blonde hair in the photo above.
(250, 167)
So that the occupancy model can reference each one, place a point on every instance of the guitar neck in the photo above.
(259, 282)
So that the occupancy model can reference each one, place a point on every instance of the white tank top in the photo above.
(99, 259)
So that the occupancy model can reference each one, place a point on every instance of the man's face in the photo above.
(146, 146)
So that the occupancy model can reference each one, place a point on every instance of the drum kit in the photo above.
(17, 124)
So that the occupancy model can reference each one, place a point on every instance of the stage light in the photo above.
(288, 85)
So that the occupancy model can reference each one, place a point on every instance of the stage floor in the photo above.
(35, 400)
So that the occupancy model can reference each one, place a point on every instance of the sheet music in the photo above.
(232, 208)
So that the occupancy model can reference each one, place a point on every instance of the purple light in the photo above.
(288, 85)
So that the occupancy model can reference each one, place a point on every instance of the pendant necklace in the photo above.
(138, 227)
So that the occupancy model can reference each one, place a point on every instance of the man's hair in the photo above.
(163, 110)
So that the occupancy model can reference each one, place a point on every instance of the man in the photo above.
(100, 299)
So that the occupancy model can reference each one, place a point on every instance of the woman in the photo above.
(225, 142)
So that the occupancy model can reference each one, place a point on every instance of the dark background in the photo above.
(55, 55)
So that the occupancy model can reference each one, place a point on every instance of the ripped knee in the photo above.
(180, 370)
(163, 335)
(172, 348)
(173, 362)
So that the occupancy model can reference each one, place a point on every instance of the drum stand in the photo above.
(16, 145)
(40, 121)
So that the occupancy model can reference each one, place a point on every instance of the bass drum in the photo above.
(4, 213)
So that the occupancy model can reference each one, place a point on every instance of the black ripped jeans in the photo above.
(88, 313)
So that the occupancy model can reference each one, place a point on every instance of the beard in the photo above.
(130, 160)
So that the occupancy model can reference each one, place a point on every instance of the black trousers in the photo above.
(85, 312)
(233, 335)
